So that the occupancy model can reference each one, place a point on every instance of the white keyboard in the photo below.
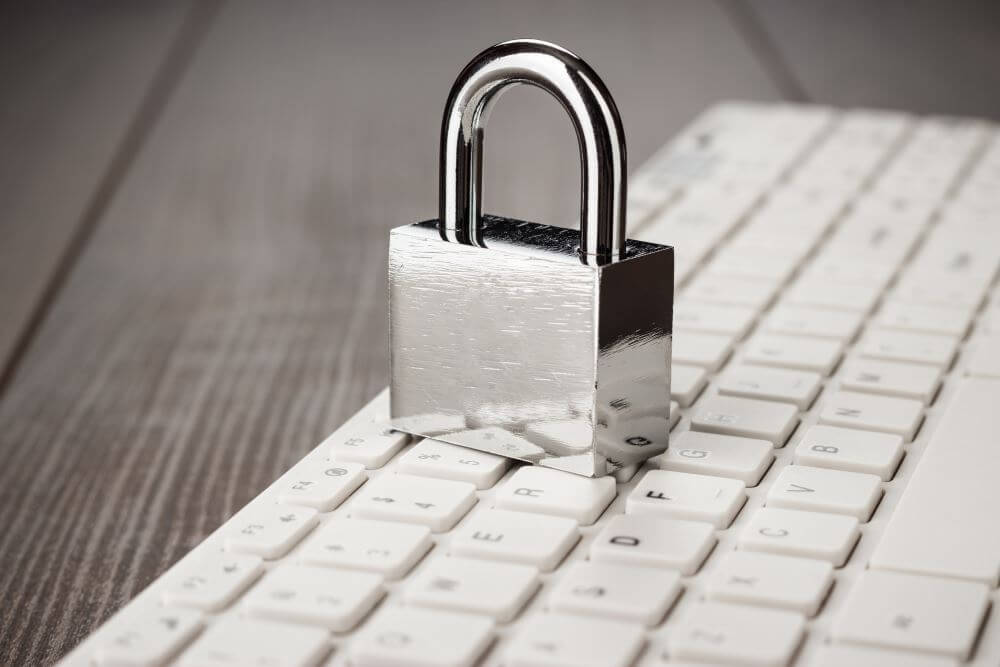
(831, 495)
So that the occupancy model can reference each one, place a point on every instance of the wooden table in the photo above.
(194, 200)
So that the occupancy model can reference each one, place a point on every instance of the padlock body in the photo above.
(517, 347)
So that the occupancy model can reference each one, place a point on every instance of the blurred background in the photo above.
(194, 206)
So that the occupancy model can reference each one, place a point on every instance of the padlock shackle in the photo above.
(595, 119)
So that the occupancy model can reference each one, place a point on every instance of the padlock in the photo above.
(528, 340)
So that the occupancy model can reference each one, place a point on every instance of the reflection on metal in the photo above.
(527, 340)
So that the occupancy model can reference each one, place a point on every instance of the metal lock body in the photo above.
(528, 340)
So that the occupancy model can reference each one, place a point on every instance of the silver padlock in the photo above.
(532, 341)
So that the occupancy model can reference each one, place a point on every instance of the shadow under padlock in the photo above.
(528, 340)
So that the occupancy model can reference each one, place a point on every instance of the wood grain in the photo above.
(230, 309)
(75, 81)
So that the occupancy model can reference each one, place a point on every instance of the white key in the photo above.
(807, 354)
(334, 599)
(842, 325)
(953, 321)
(148, 637)
(984, 358)
(654, 542)
(213, 581)
(269, 531)
(556, 640)
(770, 384)
(239, 642)
(731, 634)
(675, 413)
(710, 288)
(433, 458)
(825, 490)
(833, 267)
(837, 296)
(701, 349)
(620, 592)
(892, 378)
(371, 446)
(850, 449)
(535, 489)
(435, 503)
(388, 548)
(322, 485)
(539, 540)
(497, 590)
(932, 349)
(784, 582)
(901, 416)
(413, 637)
(838, 655)
(682, 495)
(745, 417)
(912, 612)
(569, 437)
(744, 459)
(827, 537)
(710, 318)
(752, 264)
(941, 525)
(686, 382)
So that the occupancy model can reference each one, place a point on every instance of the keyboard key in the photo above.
(836, 296)
(626, 593)
(724, 290)
(931, 349)
(829, 537)
(694, 316)
(654, 542)
(269, 531)
(770, 384)
(901, 416)
(838, 655)
(388, 548)
(819, 355)
(701, 349)
(891, 378)
(212, 582)
(534, 489)
(759, 264)
(952, 496)
(435, 503)
(239, 642)
(518, 537)
(744, 459)
(952, 321)
(371, 446)
(497, 590)
(731, 634)
(148, 637)
(850, 449)
(984, 358)
(413, 637)
(842, 325)
(334, 599)
(556, 640)
(784, 582)
(686, 382)
(825, 490)
(322, 485)
(433, 458)
(912, 612)
(745, 417)
(681, 495)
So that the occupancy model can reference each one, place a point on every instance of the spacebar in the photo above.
(946, 522)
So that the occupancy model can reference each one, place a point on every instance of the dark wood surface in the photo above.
(209, 300)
